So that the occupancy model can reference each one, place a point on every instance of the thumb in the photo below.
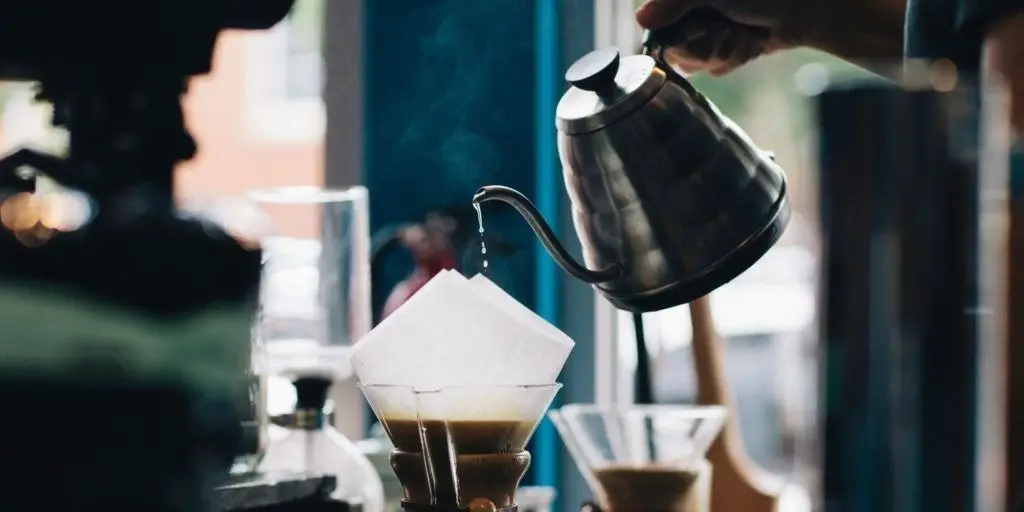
(655, 14)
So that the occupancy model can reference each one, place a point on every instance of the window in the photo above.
(303, 37)
(285, 76)
(614, 26)
(25, 122)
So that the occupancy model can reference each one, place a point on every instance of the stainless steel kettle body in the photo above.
(670, 199)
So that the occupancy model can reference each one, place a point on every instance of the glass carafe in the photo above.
(312, 446)
(643, 458)
(460, 447)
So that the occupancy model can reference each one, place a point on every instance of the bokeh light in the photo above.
(35, 218)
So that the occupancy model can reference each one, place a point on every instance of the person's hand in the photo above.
(720, 35)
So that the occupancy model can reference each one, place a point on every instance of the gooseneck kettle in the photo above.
(670, 199)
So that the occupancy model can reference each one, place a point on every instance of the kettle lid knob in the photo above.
(595, 71)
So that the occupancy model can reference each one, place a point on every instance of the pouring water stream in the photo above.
(480, 229)
(643, 389)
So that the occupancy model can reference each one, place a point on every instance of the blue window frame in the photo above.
(546, 445)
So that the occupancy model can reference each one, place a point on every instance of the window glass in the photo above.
(304, 41)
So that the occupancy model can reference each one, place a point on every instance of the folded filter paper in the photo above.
(459, 377)
(461, 332)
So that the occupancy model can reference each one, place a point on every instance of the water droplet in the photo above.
(480, 224)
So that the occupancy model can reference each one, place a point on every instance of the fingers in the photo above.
(700, 39)
(716, 49)
(655, 14)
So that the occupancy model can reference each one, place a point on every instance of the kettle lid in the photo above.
(606, 88)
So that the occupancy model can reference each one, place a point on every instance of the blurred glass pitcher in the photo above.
(670, 199)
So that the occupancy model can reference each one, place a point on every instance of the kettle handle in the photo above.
(540, 227)
(655, 50)
(653, 43)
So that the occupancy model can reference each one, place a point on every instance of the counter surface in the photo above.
(260, 491)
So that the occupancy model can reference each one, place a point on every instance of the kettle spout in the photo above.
(547, 237)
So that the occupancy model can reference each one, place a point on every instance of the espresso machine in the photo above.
(126, 381)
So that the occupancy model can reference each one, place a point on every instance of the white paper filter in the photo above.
(461, 332)
(510, 305)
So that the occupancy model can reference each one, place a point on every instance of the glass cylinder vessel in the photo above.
(315, 302)
(315, 294)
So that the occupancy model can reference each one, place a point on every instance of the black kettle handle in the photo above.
(702, 18)
(655, 42)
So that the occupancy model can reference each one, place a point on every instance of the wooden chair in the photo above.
(738, 484)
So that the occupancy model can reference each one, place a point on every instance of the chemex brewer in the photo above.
(459, 377)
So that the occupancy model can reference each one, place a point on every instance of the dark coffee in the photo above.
(649, 489)
(489, 459)
(468, 437)
(494, 477)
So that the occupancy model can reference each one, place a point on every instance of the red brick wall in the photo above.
(230, 160)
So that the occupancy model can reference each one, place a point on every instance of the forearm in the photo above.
(869, 34)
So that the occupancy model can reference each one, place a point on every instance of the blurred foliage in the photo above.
(772, 100)
(738, 93)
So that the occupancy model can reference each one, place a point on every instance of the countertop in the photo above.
(277, 491)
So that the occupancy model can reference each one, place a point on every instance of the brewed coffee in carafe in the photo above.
(654, 488)
(485, 466)
(461, 446)
(646, 458)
